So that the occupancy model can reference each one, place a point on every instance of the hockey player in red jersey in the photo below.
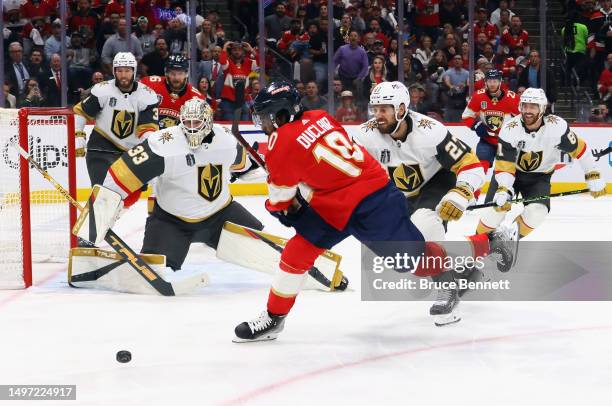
(173, 90)
(328, 188)
(485, 114)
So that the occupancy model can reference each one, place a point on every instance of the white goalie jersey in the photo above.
(121, 119)
(191, 184)
(428, 148)
(539, 151)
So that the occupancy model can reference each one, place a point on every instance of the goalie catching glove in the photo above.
(455, 202)
(596, 184)
(99, 215)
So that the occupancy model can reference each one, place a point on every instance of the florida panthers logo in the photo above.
(210, 179)
(494, 122)
(407, 178)
(529, 161)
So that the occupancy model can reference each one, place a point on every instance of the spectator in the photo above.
(37, 8)
(376, 50)
(417, 99)
(424, 52)
(374, 28)
(324, 15)
(347, 112)
(352, 63)
(532, 76)
(154, 63)
(36, 65)
(32, 96)
(496, 15)
(10, 101)
(312, 100)
(299, 86)
(217, 77)
(450, 13)
(312, 9)
(207, 38)
(357, 22)
(456, 85)
(488, 54)
(481, 42)
(205, 88)
(236, 68)
(377, 74)
(204, 67)
(482, 25)
(80, 60)
(504, 21)
(600, 114)
(119, 43)
(36, 32)
(318, 52)
(144, 35)
(515, 36)
(435, 70)
(118, 7)
(450, 48)
(410, 76)
(107, 29)
(427, 17)
(17, 72)
(385, 26)
(86, 22)
(176, 37)
(53, 44)
(600, 31)
(341, 34)
(575, 36)
(52, 82)
(277, 23)
(605, 82)
(294, 43)
(392, 53)
(213, 17)
(96, 77)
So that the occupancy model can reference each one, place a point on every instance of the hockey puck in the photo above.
(124, 356)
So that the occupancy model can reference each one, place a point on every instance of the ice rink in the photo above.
(335, 348)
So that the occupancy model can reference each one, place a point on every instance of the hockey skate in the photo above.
(504, 246)
(471, 275)
(263, 328)
(445, 308)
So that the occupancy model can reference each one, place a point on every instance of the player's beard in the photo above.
(386, 127)
(177, 86)
(125, 84)
(530, 119)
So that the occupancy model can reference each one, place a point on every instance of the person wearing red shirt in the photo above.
(427, 17)
(483, 25)
(347, 112)
(37, 8)
(118, 6)
(515, 36)
(236, 70)
(294, 42)
(604, 86)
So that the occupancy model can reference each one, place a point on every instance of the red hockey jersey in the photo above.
(169, 103)
(333, 173)
(491, 111)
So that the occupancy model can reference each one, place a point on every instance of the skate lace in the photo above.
(261, 323)
(443, 296)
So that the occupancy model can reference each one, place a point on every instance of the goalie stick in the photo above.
(532, 199)
(314, 271)
(128, 254)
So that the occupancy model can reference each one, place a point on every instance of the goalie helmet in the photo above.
(196, 121)
(535, 96)
(124, 60)
(393, 93)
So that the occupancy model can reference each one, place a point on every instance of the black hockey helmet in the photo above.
(278, 98)
(178, 62)
(493, 74)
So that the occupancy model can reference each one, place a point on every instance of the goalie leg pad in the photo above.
(99, 215)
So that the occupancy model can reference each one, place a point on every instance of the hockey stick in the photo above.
(159, 284)
(532, 199)
(314, 271)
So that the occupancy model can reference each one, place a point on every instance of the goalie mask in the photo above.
(196, 121)
(394, 94)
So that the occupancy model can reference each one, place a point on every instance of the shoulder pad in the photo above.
(102, 89)
(148, 95)
(168, 142)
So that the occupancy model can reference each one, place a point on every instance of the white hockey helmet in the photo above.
(196, 121)
(536, 96)
(393, 93)
(124, 60)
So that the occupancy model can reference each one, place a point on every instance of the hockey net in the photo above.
(35, 220)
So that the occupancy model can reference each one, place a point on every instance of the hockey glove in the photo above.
(596, 184)
(480, 129)
(454, 203)
(80, 141)
(502, 197)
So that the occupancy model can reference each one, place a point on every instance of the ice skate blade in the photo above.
(446, 319)
(267, 337)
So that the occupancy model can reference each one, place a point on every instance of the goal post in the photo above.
(35, 220)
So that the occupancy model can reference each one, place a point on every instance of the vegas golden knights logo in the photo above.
(407, 178)
(123, 123)
(530, 161)
(210, 181)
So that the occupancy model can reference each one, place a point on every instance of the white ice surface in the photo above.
(335, 348)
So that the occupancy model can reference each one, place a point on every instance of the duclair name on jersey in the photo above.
(314, 131)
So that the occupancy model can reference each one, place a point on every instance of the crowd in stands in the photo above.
(365, 50)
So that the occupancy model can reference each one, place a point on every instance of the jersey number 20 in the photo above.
(340, 153)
